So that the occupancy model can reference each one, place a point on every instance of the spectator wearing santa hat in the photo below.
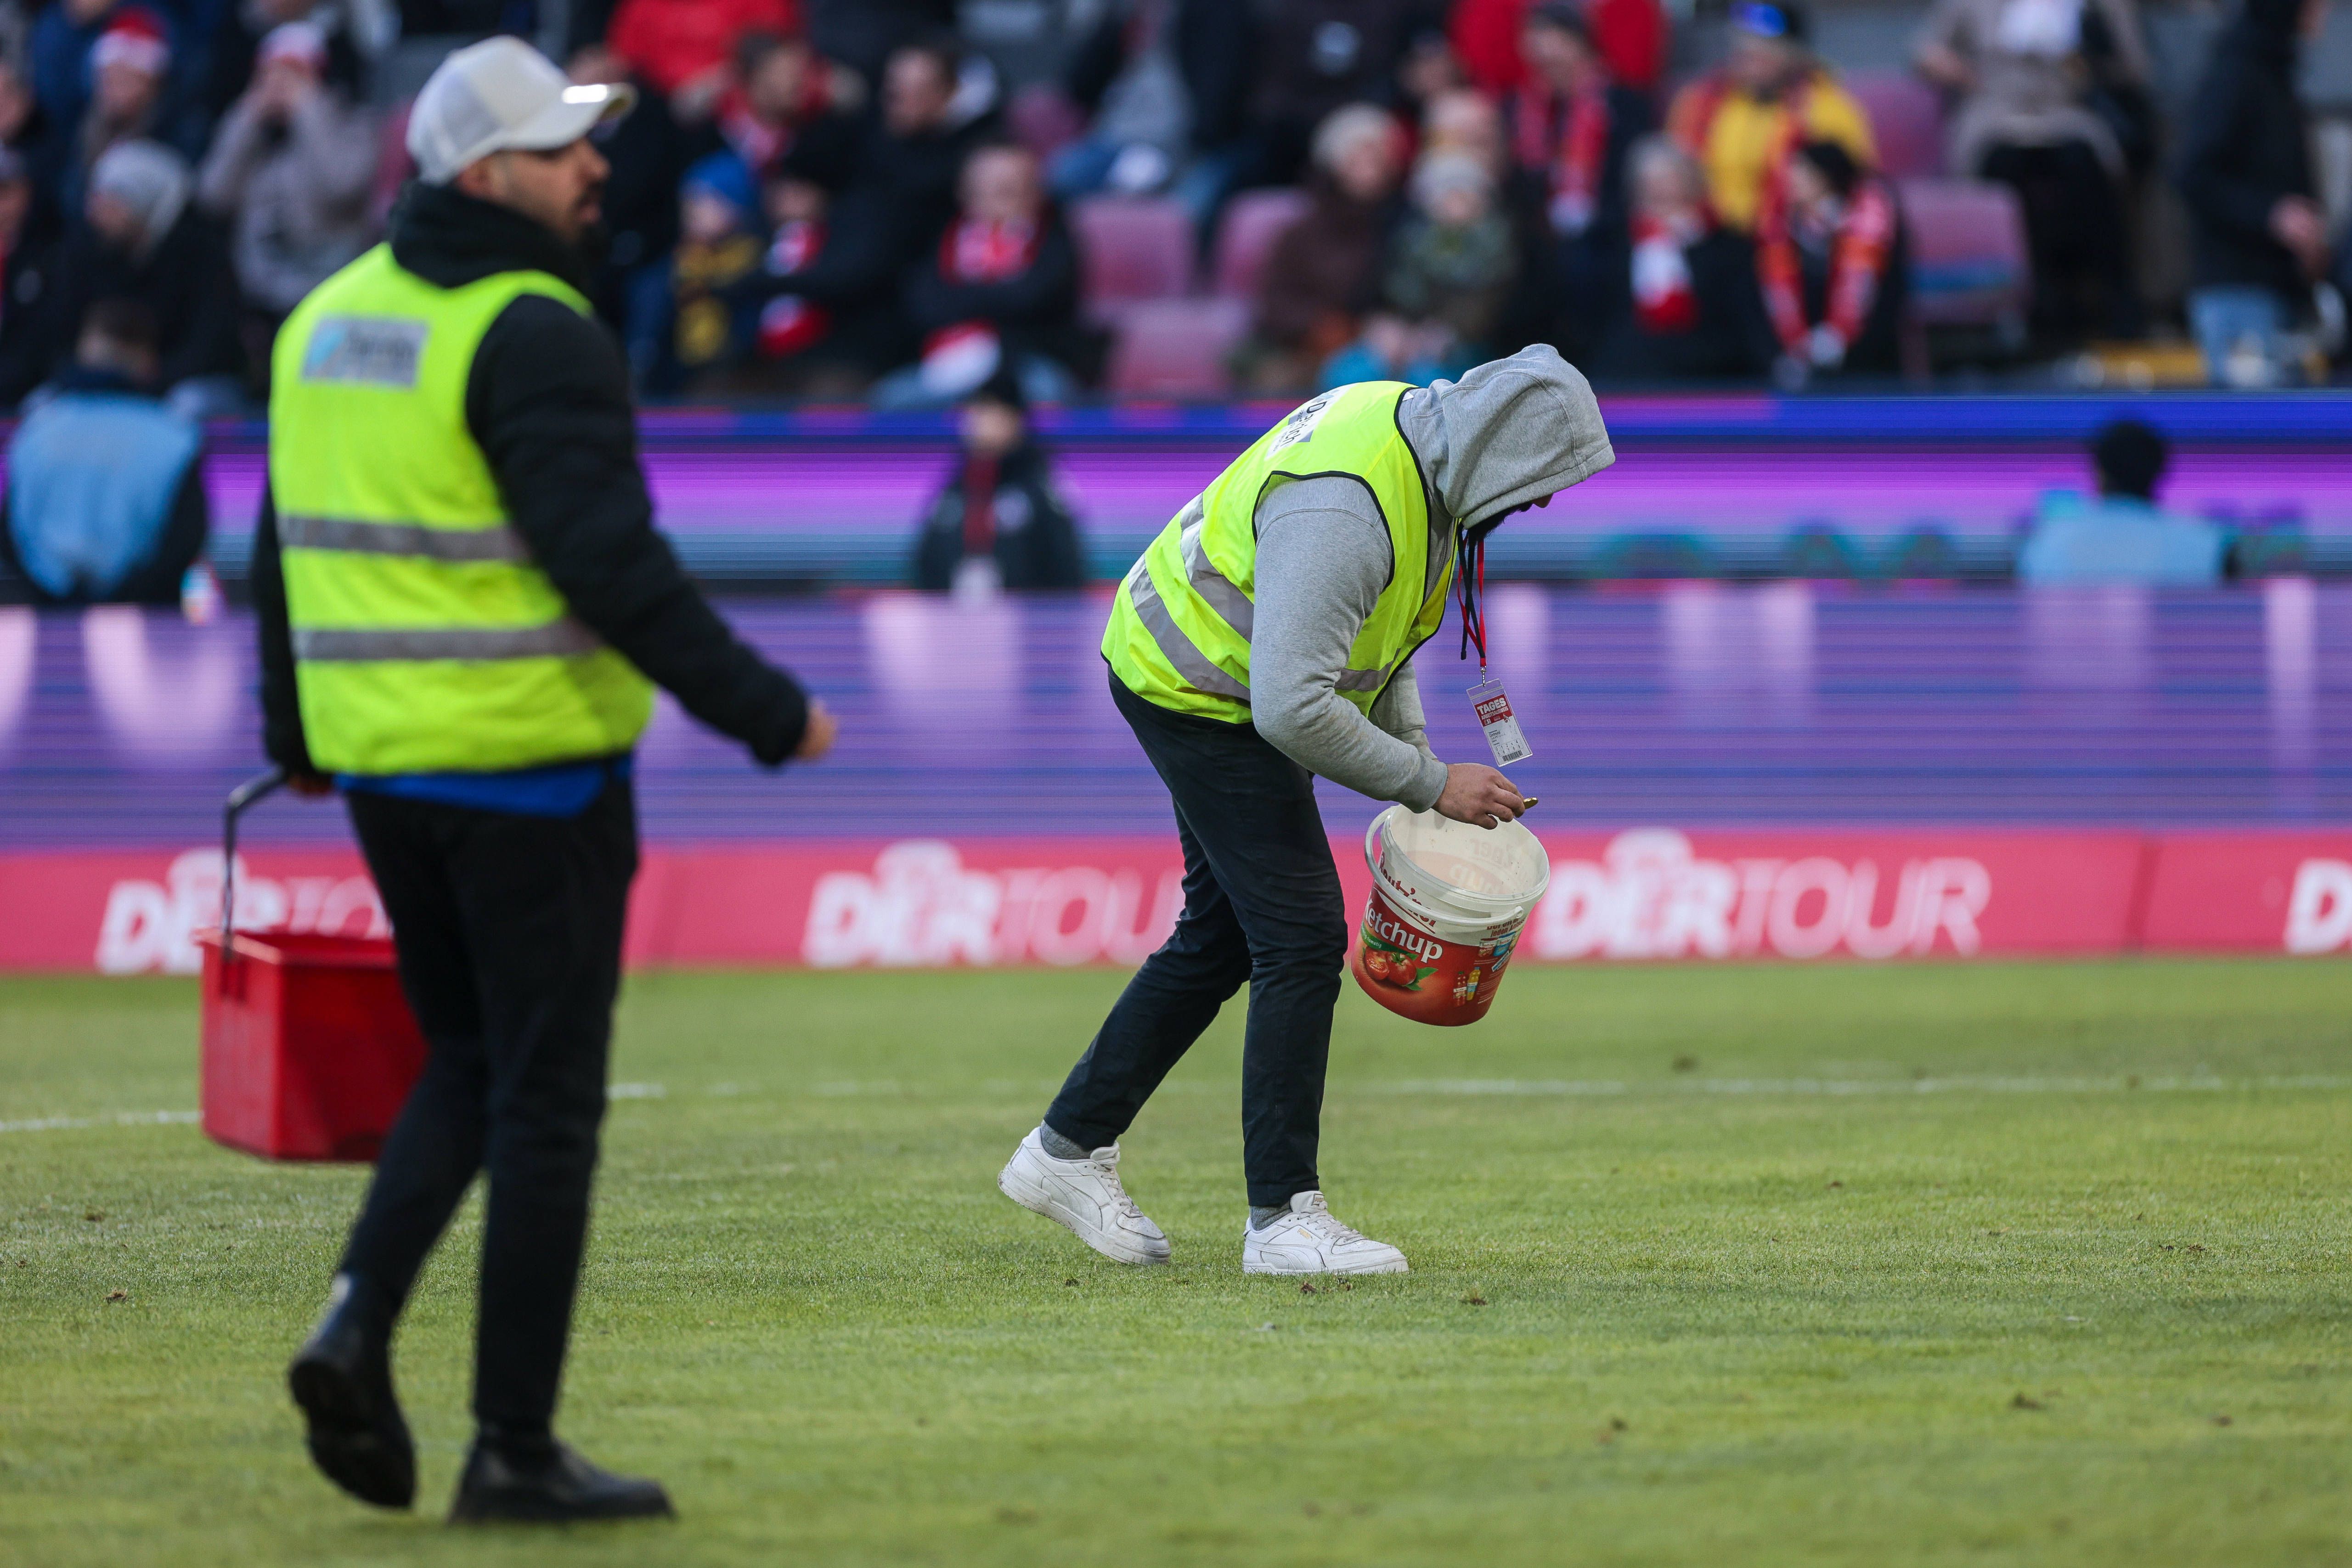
(129, 97)
(356, 31)
(63, 36)
(290, 173)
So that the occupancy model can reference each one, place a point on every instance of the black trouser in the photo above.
(510, 935)
(2079, 236)
(1262, 904)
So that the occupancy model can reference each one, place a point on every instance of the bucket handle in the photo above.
(245, 795)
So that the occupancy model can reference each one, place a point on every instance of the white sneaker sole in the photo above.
(1374, 1265)
(1028, 1190)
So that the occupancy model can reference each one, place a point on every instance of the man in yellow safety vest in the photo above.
(1264, 639)
(465, 609)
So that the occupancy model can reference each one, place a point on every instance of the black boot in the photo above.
(535, 1478)
(342, 1381)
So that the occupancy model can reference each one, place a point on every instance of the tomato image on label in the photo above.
(1392, 965)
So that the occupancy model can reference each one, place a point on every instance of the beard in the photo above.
(595, 242)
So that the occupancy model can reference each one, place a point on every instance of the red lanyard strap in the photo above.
(1470, 585)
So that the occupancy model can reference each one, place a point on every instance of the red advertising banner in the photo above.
(2223, 892)
(1643, 894)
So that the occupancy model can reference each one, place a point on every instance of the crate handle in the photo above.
(242, 797)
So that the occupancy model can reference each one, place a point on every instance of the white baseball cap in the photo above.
(498, 96)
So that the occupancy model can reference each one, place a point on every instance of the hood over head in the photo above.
(1511, 431)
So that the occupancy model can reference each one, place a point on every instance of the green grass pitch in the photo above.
(1943, 1264)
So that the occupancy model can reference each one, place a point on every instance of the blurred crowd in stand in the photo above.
(844, 199)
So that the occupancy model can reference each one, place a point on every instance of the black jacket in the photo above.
(1212, 42)
(861, 34)
(1732, 337)
(851, 278)
(649, 152)
(904, 187)
(1037, 538)
(28, 328)
(1035, 311)
(186, 280)
(2243, 146)
(548, 402)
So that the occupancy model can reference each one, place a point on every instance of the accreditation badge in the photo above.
(1504, 737)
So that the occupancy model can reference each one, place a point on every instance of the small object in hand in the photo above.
(1526, 803)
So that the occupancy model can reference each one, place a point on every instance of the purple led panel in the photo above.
(1695, 704)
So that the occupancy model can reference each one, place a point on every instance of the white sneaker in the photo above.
(1086, 1195)
(1309, 1240)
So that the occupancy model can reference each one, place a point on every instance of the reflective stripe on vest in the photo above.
(425, 639)
(319, 645)
(1191, 661)
(364, 537)
(1194, 664)
(1181, 625)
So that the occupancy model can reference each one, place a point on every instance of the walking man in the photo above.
(1265, 638)
(464, 611)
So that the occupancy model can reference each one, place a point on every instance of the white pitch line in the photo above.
(120, 1119)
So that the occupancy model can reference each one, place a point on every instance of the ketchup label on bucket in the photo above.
(1425, 978)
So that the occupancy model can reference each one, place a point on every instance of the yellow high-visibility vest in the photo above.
(424, 640)
(1180, 629)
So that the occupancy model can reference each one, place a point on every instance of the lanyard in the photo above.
(1470, 586)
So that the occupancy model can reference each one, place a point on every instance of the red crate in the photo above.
(308, 1046)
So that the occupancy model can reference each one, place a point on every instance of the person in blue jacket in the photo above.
(106, 493)
(2122, 536)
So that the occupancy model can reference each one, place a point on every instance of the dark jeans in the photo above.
(510, 935)
(1262, 904)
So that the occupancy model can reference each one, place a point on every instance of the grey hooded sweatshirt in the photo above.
(1511, 431)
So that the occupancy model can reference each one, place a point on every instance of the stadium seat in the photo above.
(1906, 119)
(1130, 251)
(1968, 262)
(1176, 348)
(1254, 221)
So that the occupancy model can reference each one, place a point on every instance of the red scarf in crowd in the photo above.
(761, 146)
(789, 324)
(1569, 140)
(1858, 248)
(1663, 299)
(975, 251)
(979, 504)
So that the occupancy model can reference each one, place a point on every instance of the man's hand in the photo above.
(1479, 796)
(818, 738)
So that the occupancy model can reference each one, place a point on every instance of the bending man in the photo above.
(1263, 639)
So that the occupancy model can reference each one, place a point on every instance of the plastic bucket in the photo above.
(1448, 903)
(310, 1049)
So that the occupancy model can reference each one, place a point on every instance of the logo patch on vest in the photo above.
(1300, 425)
(367, 351)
